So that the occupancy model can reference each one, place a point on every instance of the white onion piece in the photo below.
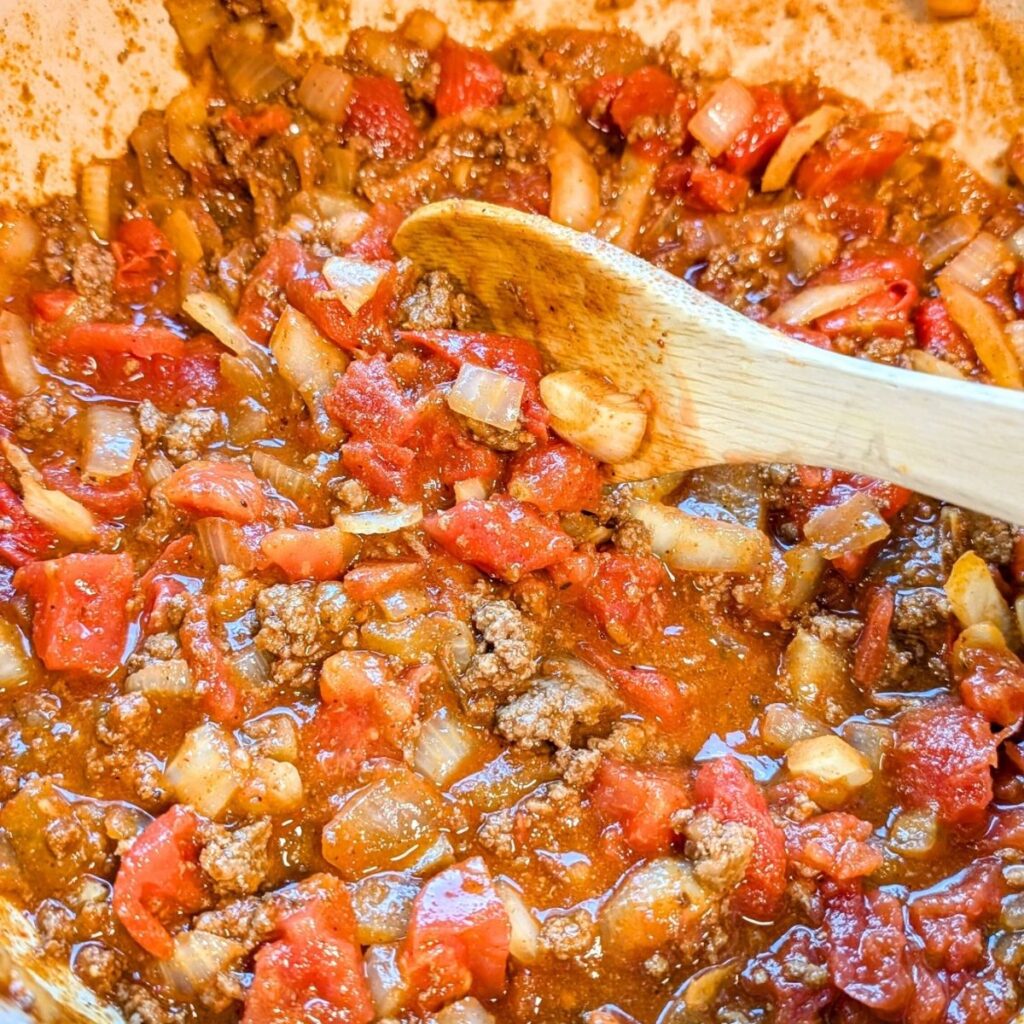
(213, 313)
(594, 415)
(621, 224)
(19, 241)
(241, 374)
(474, 489)
(487, 396)
(443, 746)
(945, 240)
(1016, 243)
(157, 469)
(387, 988)
(978, 264)
(197, 23)
(112, 441)
(169, 679)
(222, 542)
(795, 146)
(575, 184)
(810, 250)
(815, 674)
(974, 596)
(272, 787)
(95, 194)
(287, 481)
(524, 938)
(986, 331)
(926, 362)
(252, 666)
(197, 959)
(914, 833)
(873, 739)
(468, 1010)
(382, 905)
(389, 520)
(783, 725)
(850, 526)
(16, 355)
(352, 281)
(15, 664)
(251, 70)
(829, 761)
(424, 29)
(325, 91)
(729, 110)
(810, 303)
(201, 772)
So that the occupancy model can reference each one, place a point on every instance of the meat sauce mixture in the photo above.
(339, 684)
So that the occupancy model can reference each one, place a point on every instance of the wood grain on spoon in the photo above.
(724, 388)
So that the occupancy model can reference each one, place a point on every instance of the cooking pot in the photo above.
(76, 74)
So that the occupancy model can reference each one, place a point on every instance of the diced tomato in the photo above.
(752, 147)
(882, 314)
(808, 336)
(992, 683)
(624, 595)
(378, 113)
(260, 124)
(337, 741)
(51, 306)
(647, 92)
(501, 536)
(642, 801)
(595, 99)
(168, 382)
(856, 155)
(727, 793)
(305, 554)
(114, 497)
(160, 599)
(446, 450)
(174, 557)
(142, 341)
(312, 972)
(216, 489)
(886, 260)
(939, 334)
(558, 477)
(655, 695)
(368, 581)
(160, 876)
(797, 997)
(368, 402)
(144, 256)
(80, 616)
(703, 187)
(25, 538)
(873, 643)
(388, 470)
(835, 844)
(526, 190)
(374, 244)
(470, 80)
(457, 942)
(943, 758)
(261, 300)
(219, 696)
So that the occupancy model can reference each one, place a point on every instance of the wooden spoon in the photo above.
(724, 388)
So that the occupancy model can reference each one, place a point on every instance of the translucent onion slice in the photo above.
(170, 679)
(575, 184)
(288, 482)
(95, 196)
(188, 140)
(112, 441)
(782, 725)
(830, 761)
(19, 240)
(241, 374)
(251, 69)
(15, 663)
(796, 145)
(980, 262)
(325, 91)
(487, 396)
(197, 23)
(213, 313)
(201, 773)
(382, 904)
(810, 303)
(524, 938)
(594, 415)
(926, 362)
(729, 110)
(621, 224)
(353, 281)
(197, 959)
(974, 596)
(16, 355)
(945, 240)
(223, 542)
(914, 833)
(1016, 243)
(389, 520)
(387, 987)
(444, 745)
(253, 666)
(987, 333)
(1015, 336)
(850, 526)
(473, 489)
(184, 238)
(809, 249)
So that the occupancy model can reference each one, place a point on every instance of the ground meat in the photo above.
(56, 925)
(92, 272)
(562, 709)
(274, 736)
(248, 920)
(436, 302)
(163, 519)
(991, 538)
(98, 966)
(578, 767)
(189, 434)
(497, 832)
(840, 630)
(920, 609)
(633, 537)
(719, 850)
(123, 720)
(496, 438)
(237, 861)
(152, 422)
(351, 493)
(140, 1006)
(564, 936)
(507, 652)
(41, 413)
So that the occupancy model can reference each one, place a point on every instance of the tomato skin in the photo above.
(647, 92)
(883, 314)
(374, 244)
(144, 257)
(158, 875)
(642, 800)
(80, 619)
(856, 155)
(501, 536)
(873, 643)
(835, 844)
(992, 683)
(51, 306)
(388, 470)
(655, 695)
(458, 938)
(312, 973)
(27, 538)
(142, 342)
(470, 80)
(702, 187)
(377, 112)
(887, 260)
(368, 402)
(310, 554)
(727, 793)
(556, 478)
(939, 334)
(112, 498)
(216, 489)
(750, 150)
(257, 309)
(595, 98)
(220, 698)
(624, 595)
(943, 758)
(260, 124)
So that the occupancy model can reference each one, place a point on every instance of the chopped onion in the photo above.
(402, 604)
(157, 469)
(1015, 336)
(467, 1010)
(242, 375)
(783, 725)
(815, 675)
(387, 987)
(852, 525)
(212, 312)
(952, 8)
(16, 355)
(252, 666)
(698, 544)
(197, 959)
(524, 932)
(982, 325)
(575, 183)
(251, 70)
(161, 178)
(729, 111)
(95, 195)
(288, 482)
(19, 241)
(352, 281)
(1016, 242)
(656, 489)
(112, 441)
(444, 745)
(487, 396)
(15, 663)
(382, 905)
(594, 415)
(945, 240)
(974, 596)
(424, 29)
(272, 787)
(389, 520)
(809, 249)
(978, 264)
(325, 91)
(474, 489)
(792, 581)
(169, 679)
(620, 225)
(914, 834)
(796, 145)
(188, 140)
(201, 772)
(197, 23)
(184, 238)
(222, 542)
(873, 739)
(387, 54)
(831, 762)
(810, 303)
(926, 362)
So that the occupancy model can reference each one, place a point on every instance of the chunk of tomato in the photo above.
(624, 596)
(374, 244)
(872, 645)
(711, 189)
(114, 497)
(938, 333)
(302, 553)
(216, 489)
(144, 257)
(848, 158)
(752, 147)
(835, 844)
(219, 695)
(388, 470)
(883, 314)
(368, 402)
(647, 92)
(992, 683)
(558, 477)
(377, 112)
(143, 341)
(469, 79)
(51, 306)
(260, 124)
